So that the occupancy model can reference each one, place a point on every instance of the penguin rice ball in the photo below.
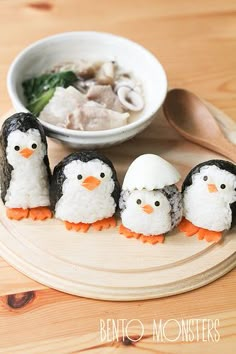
(85, 191)
(150, 202)
(209, 198)
(24, 168)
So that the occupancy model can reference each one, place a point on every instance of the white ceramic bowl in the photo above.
(43, 54)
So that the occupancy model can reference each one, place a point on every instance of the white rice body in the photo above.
(156, 223)
(207, 210)
(79, 204)
(29, 186)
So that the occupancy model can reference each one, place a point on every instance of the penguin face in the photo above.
(93, 175)
(149, 203)
(217, 183)
(22, 147)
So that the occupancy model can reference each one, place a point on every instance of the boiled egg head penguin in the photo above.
(25, 171)
(150, 202)
(85, 191)
(209, 197)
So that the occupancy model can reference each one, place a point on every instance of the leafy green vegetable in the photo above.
(39, 103)
(39, 90)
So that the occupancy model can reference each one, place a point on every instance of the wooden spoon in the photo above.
(192, 119)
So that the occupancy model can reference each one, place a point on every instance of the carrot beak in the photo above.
(212, 188)
(91, 183)
(147, 209)
(26, 153)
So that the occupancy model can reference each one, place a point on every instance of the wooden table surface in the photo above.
(196, 42)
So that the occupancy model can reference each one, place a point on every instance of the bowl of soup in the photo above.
(88, 89)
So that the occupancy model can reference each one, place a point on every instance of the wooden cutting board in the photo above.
(105, 265)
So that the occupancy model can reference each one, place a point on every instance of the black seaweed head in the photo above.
(222, 165)
(21, 121)
(84, 156)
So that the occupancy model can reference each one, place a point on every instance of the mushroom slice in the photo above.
(127, 83)
(106, 74)
(104, 94)
(130, 99)
(86, 70)
(93, 116)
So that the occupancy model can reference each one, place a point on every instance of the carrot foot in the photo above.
(201, 234)
(149, 239)
(188, 228)
(127, 232)
(152, 239)
(40, 213)
(77, 227)
(104, 224)
(209, 236)
(17, 213)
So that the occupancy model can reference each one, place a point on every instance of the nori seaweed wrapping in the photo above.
(19, 121)
(222, 165)
(58, 177)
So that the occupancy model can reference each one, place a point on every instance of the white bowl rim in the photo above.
(78, 133)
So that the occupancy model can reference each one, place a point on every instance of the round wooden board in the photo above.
(105, 265)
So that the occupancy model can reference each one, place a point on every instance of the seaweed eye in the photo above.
(17, 148)
(34, 146)
(222, 186)
(139, 201)
(157, 203)
(79, 176)
(102, 175)
(205, 178)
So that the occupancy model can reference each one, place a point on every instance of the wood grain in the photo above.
(195, 41)
(54, 322)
